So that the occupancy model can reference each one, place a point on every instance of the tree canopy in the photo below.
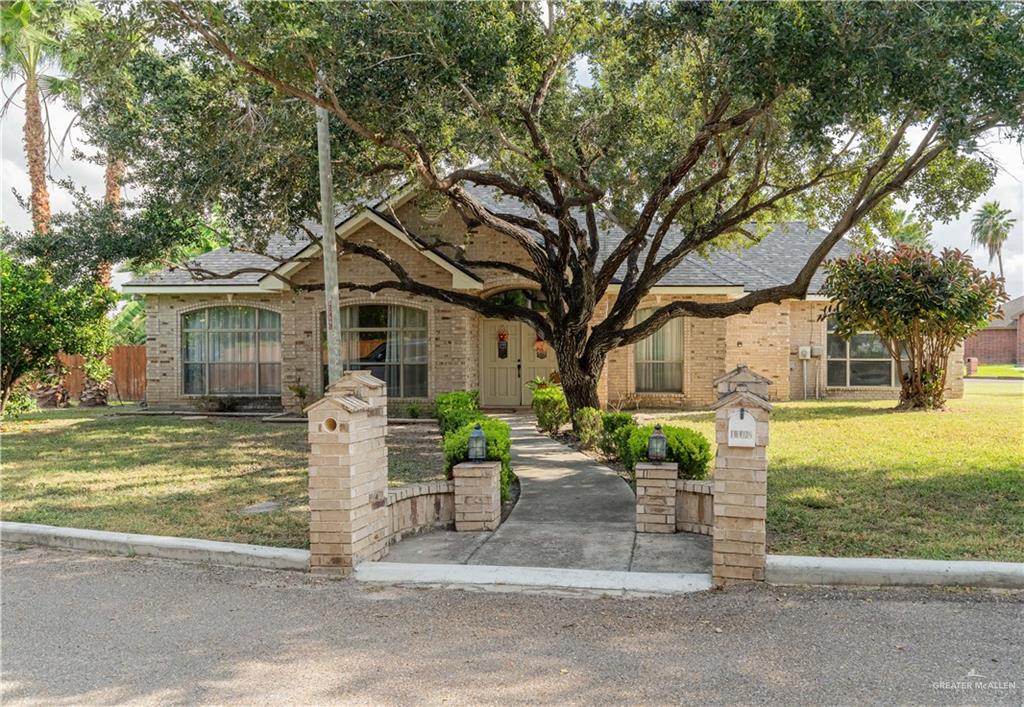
(42, 318)
(681, 126)
(920, 305)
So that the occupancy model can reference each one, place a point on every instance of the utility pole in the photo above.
(329, 246)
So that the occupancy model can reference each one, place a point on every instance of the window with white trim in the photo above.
(861, 361)
(231, 351)
(388, 340)
(659, 357)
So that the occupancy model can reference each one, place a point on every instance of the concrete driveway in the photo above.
(86, 630)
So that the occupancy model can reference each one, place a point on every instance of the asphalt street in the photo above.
(86, 629)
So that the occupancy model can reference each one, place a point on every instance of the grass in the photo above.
(89, 468)
(857, 479)
(998, 370)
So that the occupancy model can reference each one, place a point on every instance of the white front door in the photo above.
(509, 359)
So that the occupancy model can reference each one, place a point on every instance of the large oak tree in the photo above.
(678, 127)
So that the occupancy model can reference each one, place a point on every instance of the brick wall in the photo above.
(994, 346)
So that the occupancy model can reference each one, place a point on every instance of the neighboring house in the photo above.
(251, 337)
(1002, 341)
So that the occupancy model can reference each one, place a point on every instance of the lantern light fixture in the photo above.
(657, 445)
(477, 451)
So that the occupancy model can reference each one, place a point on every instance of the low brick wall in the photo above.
(418, 507)
(695, 506)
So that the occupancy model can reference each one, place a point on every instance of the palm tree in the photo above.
(908, 231)
(990, 228)
(27, 47)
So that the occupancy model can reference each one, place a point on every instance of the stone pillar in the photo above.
(656, 497)
(477, 495)
(348, 475)
(741, 487)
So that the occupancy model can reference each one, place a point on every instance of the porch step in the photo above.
(509, 578)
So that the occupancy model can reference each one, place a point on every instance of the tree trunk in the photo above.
(35, 156)
(4, 397)
(925, 391)
(579, 384)
(999, 257)
(112, 198)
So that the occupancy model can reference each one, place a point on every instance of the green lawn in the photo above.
(89, 468)
(998, 370)
(856, 478)
(845, 478)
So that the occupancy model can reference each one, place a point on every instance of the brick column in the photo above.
(656, 497)
(477, 495)
(348, 475)
(741, 488)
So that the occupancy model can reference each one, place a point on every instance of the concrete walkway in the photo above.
(572, 512)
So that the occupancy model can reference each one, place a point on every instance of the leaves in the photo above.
(41, 318)
(920, 304)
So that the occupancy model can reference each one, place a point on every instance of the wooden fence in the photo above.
(129, 364)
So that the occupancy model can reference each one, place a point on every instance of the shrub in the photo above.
(551, 408)
(611, 423)
(301, 392)
(499, 448)
(689, 449)
(539, 382)
(455, 409)
(414, 411)
(19, 403)
(589, 426)
(216, 403)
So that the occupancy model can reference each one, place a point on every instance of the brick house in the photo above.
(253, 337)
(1002, 341)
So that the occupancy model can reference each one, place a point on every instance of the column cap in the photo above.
(741, 397)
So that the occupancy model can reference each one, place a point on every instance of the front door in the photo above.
(509, 359)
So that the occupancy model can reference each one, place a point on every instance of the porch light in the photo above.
(477, 451)
(656, 445)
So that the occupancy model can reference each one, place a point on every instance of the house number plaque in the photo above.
(742, 429)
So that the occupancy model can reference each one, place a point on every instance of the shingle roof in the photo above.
(775, 260)
(1012, 311)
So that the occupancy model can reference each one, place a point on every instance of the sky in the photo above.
(1008, 190)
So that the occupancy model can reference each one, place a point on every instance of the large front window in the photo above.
(659, 358)
(862, 360)
(389, 341)
(231, 351)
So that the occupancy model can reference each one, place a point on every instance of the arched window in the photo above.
(388, 340)
(659, 357)
(231, 351)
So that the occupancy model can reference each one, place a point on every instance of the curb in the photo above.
(512, 578)
(167, 548)
(879, 572)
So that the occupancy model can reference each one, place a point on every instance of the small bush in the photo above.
(455, 409)
(20, 402)
(689, 449)
(216, 403)
(414, 411)
(551, 408)
(589, 426)
(499, 448)
(611, 423)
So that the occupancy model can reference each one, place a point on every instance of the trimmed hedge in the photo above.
(455, 409)
(688, 448)
(499, 448)
(612, 423)
(589, 427)
(551, 408)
